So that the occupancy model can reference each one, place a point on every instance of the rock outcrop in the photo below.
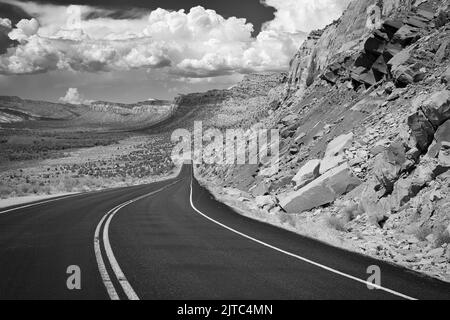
(364, 127)
(324, 190)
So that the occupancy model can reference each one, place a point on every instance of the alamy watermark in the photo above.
(228, 147)
(74, 280)
(374, 280)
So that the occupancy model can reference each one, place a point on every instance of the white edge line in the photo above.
(64, 197)
(39, 203)
(126, 286)
(299, 257)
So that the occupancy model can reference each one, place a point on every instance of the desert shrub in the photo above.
(24, 188)
(67, 184)
(45, 189)
(352, 210)
(441, 236)
(286, 219)
(377, 212)
(422, 232)
(336, 223)
(5, 191)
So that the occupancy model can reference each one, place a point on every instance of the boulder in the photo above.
(428, 15)
(260, 189)
(289, 131)
(442, 52)
(437, 107)
(406, 35)
(368, 78)
(307, 173)
(391, 51)
(417, 22)
(331, 162)
(299, 138)
(324, 190)
(280, 182)
(339, 145)
(267, 202)
(392, 26)
(408, 74)
(400, 58)
(445, 78)
(375, 45)
(444, 156)
(380, 66)
(389, 165)
(290, 119)
(441, 135)
(408, 188)
(422, 131)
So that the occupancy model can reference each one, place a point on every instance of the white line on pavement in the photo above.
(38, 203)
(299, 257)
(120, 276)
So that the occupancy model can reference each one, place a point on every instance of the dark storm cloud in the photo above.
(253, 10)
(13, 13)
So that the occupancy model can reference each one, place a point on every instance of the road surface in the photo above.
(172, 240)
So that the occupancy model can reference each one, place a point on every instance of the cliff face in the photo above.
(364, 126)
(156, 106)
(342, 39)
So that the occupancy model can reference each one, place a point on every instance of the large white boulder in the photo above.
(339, 145)
(329, 163)
(324, 190)
(307, 173)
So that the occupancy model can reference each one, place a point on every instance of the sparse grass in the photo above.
(441, 236)
(336, 223)
(352, 210)
(376, 211)
(286, 218)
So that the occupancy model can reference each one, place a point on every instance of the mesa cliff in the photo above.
(364, 122)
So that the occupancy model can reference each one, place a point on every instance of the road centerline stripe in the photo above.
(379, 287)
(119, 274)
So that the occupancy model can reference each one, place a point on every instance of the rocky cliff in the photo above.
(364, 122)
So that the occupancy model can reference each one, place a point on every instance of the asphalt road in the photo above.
(172, 240)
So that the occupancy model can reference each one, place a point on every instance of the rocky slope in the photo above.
(238, 107)
(364, 120)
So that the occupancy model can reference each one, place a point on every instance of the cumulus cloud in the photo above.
(74, 97)
(24, 30)
(305, 15)
(5, 23)
(198, 43)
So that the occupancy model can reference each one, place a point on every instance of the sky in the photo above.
(126, 51)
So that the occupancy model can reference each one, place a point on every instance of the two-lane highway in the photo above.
(172, 240)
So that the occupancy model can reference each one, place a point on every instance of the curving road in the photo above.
(172, 240)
